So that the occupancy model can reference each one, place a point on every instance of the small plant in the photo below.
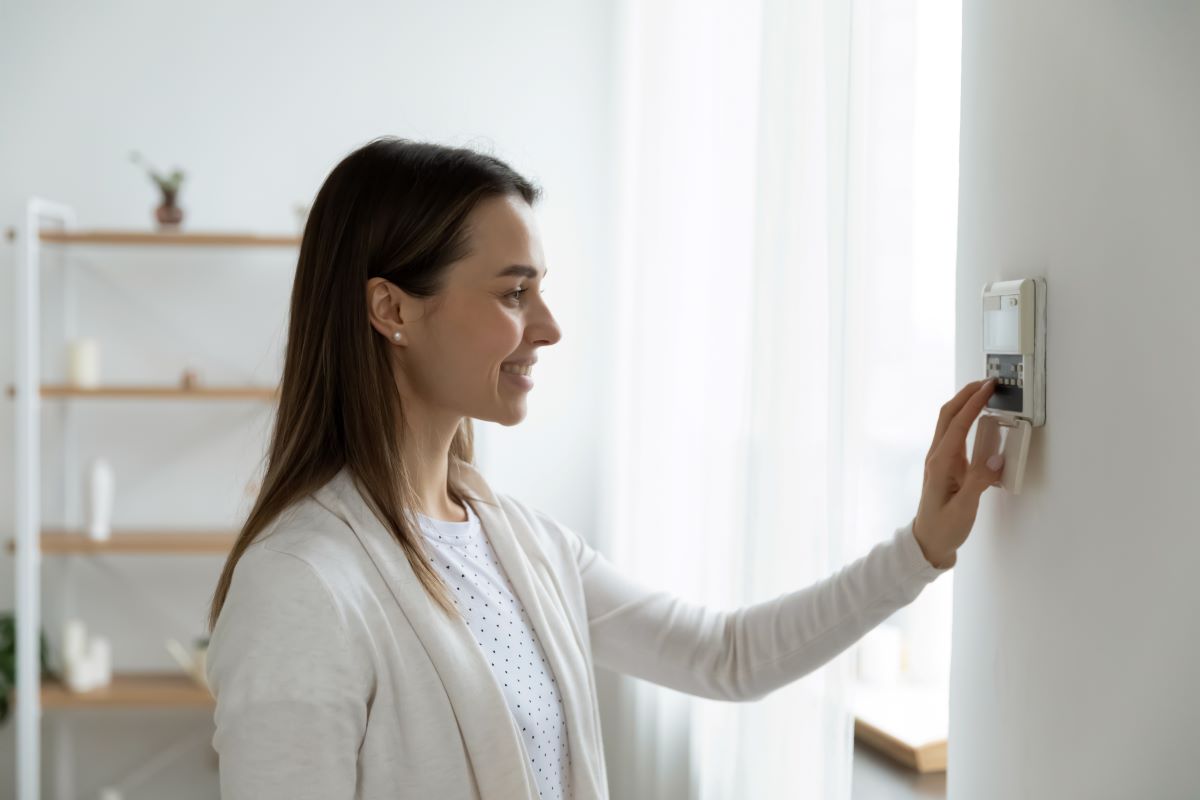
(8, 660)
(168, 214)
(167, 184)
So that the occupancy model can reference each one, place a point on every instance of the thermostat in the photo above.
(1014, 351)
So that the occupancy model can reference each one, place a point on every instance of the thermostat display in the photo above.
(1014, 347)
(1014, 351)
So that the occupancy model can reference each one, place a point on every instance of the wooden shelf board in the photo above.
(129, 690)
(61, 542)
(156, 238)
(158, 392)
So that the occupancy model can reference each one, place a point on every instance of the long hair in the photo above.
(394, 209)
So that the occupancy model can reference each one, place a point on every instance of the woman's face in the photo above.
(489, 313)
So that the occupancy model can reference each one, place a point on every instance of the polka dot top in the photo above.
(464, 557)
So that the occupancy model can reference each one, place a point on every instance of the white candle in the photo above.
(83, 363)
(74, 638)
(80, 674)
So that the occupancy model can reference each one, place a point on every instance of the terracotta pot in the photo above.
(168, 214)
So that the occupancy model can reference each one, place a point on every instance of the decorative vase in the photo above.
(100, 500)
(193, 662)
(168, 214)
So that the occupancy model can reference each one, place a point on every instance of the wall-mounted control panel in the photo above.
(1014, 352)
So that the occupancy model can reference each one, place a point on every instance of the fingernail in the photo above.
(995, 462)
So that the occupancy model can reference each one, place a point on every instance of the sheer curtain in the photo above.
(781, 314)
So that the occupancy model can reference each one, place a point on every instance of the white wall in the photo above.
(258, 100)
(1076, 634)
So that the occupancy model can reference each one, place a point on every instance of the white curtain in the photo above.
(781, 312)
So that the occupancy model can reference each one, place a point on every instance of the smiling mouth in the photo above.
(516, 370)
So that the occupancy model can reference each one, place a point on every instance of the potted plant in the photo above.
(168, 213)
(8, 660)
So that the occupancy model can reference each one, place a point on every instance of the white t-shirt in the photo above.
(463, 556)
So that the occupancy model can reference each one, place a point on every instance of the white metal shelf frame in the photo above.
(27, 484)
(28, 492)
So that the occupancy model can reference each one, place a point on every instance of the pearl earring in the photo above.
(397, 335)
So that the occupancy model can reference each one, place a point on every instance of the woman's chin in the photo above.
(514, 418)
(512, 414)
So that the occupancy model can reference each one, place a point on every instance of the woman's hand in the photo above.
(952, 488)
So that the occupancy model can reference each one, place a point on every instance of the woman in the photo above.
(386, 625)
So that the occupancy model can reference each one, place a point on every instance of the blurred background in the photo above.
(750, 215)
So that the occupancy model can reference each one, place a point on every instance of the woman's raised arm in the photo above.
(746, 653)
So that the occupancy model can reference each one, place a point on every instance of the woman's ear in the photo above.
(383, 307)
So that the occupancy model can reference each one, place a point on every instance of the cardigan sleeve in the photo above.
(291, 693)
(746, 653)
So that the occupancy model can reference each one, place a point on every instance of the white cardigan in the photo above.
(336, 676)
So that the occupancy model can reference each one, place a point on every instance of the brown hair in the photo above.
(394, 209)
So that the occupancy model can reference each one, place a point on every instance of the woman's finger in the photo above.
(950, 409)
(956, 432)
(987, 445)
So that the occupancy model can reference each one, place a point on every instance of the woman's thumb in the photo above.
(982, 475)
(992, 472)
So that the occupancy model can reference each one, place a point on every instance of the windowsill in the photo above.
(877, 777)
(908, 723)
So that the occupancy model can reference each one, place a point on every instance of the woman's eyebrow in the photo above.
(522, 270)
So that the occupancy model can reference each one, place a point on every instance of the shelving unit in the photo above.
(31, 541)
(147, 543)
(131, 690)
(156, 392)
(167, 239)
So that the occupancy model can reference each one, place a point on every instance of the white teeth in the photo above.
(516, 370)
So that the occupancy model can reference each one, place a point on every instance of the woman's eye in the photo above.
(518, 293)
